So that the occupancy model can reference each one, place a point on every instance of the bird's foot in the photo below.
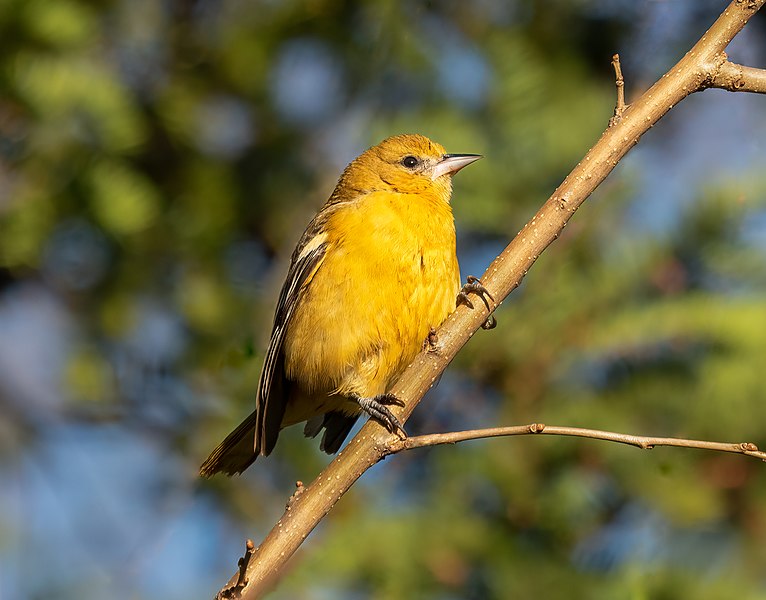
(474, 286)
(377, 408)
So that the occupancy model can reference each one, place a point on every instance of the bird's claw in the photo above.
(377, 408)
(474, 286)
(388, 400)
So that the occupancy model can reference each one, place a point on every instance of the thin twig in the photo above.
(738, 78)
(235, 590)
(619, 83)
(640, 441)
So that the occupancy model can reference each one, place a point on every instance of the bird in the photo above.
(373, 274)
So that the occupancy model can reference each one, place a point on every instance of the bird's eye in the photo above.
(410, 162)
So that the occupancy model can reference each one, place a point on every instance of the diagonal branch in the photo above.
(694, 72)
(640, 441)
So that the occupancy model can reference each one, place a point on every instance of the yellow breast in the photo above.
(390, 273)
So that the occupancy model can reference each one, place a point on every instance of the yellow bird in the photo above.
(374, 271)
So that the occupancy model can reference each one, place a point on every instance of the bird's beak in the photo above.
(452, 163)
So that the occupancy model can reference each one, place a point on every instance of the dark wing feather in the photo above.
(270, 399)
(258, 433)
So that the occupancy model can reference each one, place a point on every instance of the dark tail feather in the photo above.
(234, 454)
(336, 425)
(313, 426)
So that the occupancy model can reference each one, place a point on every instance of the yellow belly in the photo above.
(390, 274)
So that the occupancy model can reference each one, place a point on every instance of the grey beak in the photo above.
(452, 163)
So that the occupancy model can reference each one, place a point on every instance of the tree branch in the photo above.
(694, 72)
(640, 441)
(737, 78)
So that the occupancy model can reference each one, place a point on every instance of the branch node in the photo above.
(537, 428)
(749, 4)
(748, 447)
(394, 446)
(733, 77)
(619, 83)
(299, 489)
(235, 591)
(431, 343)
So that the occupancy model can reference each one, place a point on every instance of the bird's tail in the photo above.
(234, 454)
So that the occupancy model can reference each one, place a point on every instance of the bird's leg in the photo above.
(474, 286)
(377, 408)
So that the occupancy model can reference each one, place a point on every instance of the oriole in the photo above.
(374, 271)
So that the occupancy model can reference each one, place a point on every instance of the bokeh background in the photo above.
(158, 162)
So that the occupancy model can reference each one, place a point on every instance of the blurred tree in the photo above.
(157, 164)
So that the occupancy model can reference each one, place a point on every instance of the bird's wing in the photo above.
(238, 450)
(270, 399)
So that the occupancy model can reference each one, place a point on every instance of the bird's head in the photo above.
(406, 164)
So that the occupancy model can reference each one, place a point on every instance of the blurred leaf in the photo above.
(123, 200)
(62, 23)
(77, 98)
(88, 376)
